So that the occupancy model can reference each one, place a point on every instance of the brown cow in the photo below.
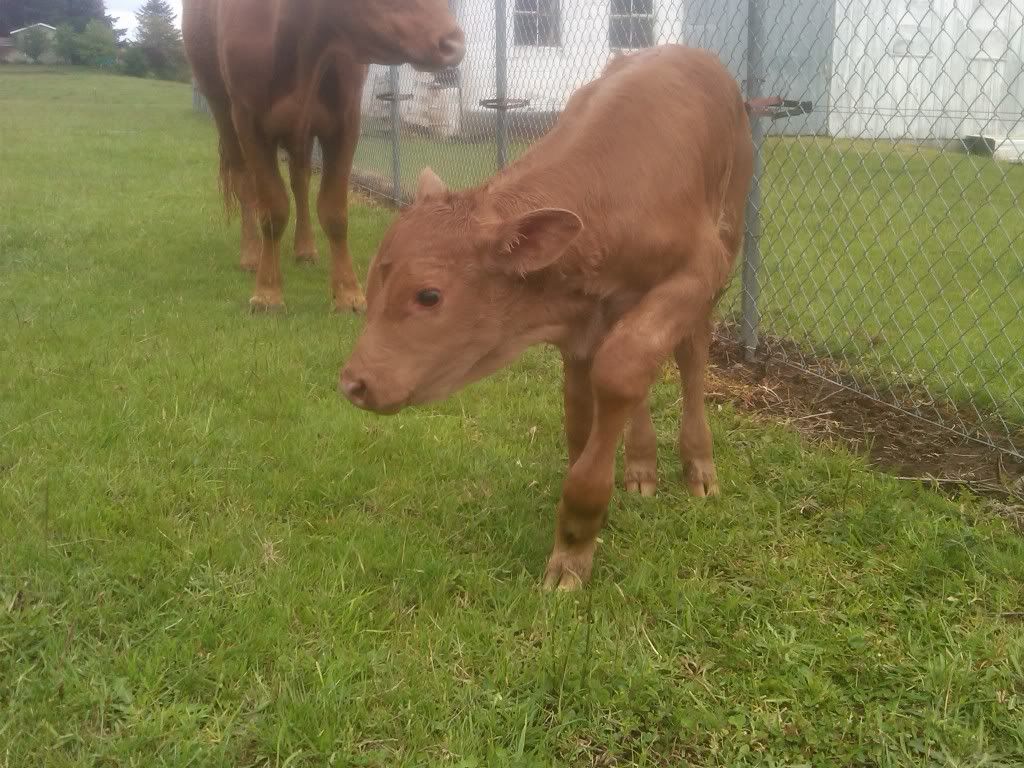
(279, 72)
(611, 238)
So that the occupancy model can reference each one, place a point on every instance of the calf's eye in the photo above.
(428, 297)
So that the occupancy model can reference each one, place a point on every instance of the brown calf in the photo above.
(611, 238)
(279, 72)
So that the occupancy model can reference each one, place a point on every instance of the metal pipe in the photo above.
(751, 285)
(501, 80)
(396, 137)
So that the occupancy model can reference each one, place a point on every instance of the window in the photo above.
(631, 24)
(986, 36)
(537, 22)
(913, 35)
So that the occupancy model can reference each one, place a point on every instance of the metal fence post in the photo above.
(396, 137)
(752, 241)
(501, 80)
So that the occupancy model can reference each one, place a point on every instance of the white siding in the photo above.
(546, 76)
(915, 69)
(928, 70)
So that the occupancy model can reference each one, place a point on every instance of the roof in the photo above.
(39, 24)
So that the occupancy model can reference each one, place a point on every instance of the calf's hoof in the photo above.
(350, 302)
(266, 302)
(248, 265)
(306, 256)
(642, 480)
(569, 569)
(702, 478)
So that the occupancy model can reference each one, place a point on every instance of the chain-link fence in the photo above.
(884, 249)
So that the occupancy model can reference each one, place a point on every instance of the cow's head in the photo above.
(419, 32)
(453, 296)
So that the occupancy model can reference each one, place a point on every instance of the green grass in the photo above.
(905, 263)
(208, 559)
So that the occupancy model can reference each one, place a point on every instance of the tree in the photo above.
(97, 45)
(134, 62)
(159, 40)
(94, 46)
(66, 44)
(33, 43)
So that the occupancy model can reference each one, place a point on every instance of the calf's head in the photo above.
(453, 294)
(419, 32)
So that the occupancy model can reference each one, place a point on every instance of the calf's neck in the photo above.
(611, 238)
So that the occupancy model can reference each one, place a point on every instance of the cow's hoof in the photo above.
(306, 257)
(642, 480)
(569, 569)
(266, 303)
(350, 302)
(702, 478)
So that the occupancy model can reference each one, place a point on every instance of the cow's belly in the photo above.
(285, 116)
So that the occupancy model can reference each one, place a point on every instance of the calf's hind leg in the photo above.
(695, 449)
(641, 474)
(625, 366)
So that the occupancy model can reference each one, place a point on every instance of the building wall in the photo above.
(928, 70)
(903, 69)
(798, 35)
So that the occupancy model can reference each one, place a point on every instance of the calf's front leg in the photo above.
(623, 370)
(579, 405)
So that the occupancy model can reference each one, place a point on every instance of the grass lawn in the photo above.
(208, 559)
(904, 263)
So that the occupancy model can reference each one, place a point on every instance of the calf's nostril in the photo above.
(452, 46)
(353, 387)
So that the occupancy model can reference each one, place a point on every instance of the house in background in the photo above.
(12, 55)
(7, 49)
(905, 69)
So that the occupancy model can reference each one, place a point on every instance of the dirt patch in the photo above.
(889, 435)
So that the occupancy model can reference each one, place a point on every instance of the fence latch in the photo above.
(504, 105)
(776, 107)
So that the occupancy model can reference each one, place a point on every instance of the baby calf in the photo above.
(611, 238)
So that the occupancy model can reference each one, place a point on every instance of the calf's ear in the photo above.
(429, 186)
(535, 240)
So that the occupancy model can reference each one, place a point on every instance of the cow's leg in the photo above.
(251, 244)
(641, 474)
(624, 368)
(332, 209)
(271, 208)
(235, 177)
(695, 449)
(579, 405)
(299, 171)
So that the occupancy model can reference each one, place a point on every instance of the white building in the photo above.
(554, 47)
(9, 51)
(928, 69)
(914, 69)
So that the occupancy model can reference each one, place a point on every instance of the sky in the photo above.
(124, 12)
